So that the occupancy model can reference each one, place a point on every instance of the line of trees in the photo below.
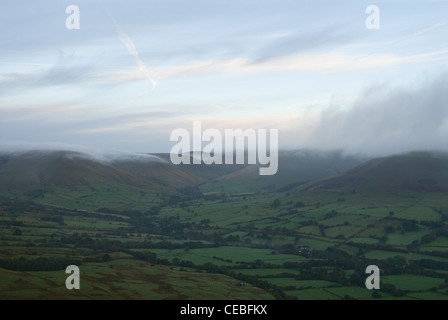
(39, 264)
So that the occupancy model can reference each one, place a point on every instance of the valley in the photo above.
(150, 230)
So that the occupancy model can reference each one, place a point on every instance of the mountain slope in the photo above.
(417, 171)
(34, 170)
(294, 168)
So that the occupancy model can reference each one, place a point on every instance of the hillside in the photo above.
(34, 172)
(295, 168)
(29, 172)
(417, 171)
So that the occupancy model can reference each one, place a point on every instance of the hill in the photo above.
(78, 176)
(417, 171)
(28, 172)
(295, 168)
(34, 172)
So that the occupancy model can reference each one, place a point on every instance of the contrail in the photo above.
(438, 25)
(132, 50)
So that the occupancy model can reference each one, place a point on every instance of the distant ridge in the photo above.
(35, 172)
(43, 170)
(40, 171)
(295, 168)
(415, 171)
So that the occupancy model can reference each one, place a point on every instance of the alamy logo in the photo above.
(373, 281)
(72, 281)
(373, 20)
(234, 147)
(72, 21)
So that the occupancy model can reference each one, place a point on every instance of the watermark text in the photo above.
(230, 148)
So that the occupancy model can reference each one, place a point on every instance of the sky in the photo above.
(136, 70)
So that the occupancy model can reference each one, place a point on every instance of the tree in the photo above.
(299, 204)
(276, 203)
(106, 257)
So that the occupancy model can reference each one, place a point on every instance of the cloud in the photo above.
(387, 119)
(99, 155)
(326, 38)
(68, 70)
(316, 63)
(74, 121)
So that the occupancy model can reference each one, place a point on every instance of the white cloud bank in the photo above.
(99, 155)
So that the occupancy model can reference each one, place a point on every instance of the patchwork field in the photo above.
(236, 247)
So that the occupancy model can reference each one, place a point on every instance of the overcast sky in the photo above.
(138, 69)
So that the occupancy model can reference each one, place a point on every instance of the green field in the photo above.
(419, 213)
(255, 246)
(403, 239)
(412, 282)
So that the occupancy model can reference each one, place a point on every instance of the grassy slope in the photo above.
(420, 172)
(294, 168)
(126, 279)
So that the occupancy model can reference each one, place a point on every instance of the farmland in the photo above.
(278, 245)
